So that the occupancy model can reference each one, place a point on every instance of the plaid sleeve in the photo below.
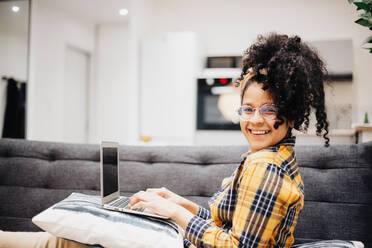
(204, 213)
(187, 244)
(261, 206)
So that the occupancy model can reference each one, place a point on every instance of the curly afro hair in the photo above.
(294, 75)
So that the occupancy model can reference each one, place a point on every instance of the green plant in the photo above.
(366, 121)
(365, 18)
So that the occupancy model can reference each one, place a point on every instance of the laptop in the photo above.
(110, 187)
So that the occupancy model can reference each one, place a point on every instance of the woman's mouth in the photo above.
(259, 132)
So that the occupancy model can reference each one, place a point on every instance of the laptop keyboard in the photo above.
(123, 202)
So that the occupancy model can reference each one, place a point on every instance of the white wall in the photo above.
(227, 28)
(223, 28)
(114, 99)
(51, 31)
(112, 93)
(230, 27)
(13, 47)
(169, 65)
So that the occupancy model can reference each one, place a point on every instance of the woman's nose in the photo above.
(257, 117)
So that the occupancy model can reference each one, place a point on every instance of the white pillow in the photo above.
(81, 218)
(331, 244)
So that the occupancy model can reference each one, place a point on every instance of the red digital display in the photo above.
(223, 80)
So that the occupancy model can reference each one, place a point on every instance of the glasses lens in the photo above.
(269, 111)
(247, 110)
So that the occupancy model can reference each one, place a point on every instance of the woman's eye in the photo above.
(269, 111)
(248, 110)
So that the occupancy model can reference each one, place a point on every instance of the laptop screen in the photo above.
(110, 170)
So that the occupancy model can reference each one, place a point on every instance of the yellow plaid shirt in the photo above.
(257, 206)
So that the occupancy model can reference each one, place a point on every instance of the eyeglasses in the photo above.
(268, 111)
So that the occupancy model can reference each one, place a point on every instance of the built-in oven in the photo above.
(217, 98)
(217, 103)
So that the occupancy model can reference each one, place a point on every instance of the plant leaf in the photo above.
(368, 40)
(350, 1)
(366, 15)
(361, 5)
(368, 48)
(363, 22)
(365, 5)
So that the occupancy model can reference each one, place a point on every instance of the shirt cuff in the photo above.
(204, 213)
(186, 243)
(195, 230)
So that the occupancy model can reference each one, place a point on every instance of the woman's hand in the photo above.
(154, 202)
(179, 200)
(161, 206)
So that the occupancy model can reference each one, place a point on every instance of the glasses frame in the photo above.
(273, 117)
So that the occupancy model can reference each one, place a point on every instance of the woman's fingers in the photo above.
(163, 192)
(152, 190)
(137, 197)
(142, 196)
(147, 200)
(139, 204)
(162, 189)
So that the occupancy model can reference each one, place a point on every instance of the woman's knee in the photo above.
(35, 239)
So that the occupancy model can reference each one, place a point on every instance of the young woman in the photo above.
(258, 206)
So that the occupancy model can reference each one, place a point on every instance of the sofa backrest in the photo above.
(338, 180)
(338, 192)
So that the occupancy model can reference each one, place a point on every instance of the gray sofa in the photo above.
(338, 181)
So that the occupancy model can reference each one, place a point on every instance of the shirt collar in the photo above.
(287, 141)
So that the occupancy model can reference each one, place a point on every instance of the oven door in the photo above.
(217, 104)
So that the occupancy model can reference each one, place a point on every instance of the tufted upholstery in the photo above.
(338, 180)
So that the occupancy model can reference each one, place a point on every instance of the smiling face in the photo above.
(260, 132)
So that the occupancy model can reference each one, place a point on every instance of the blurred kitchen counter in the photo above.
(355, 135)
(363, 133)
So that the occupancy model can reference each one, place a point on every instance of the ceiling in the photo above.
(96, 11)
(14, 22)
(92, 11)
